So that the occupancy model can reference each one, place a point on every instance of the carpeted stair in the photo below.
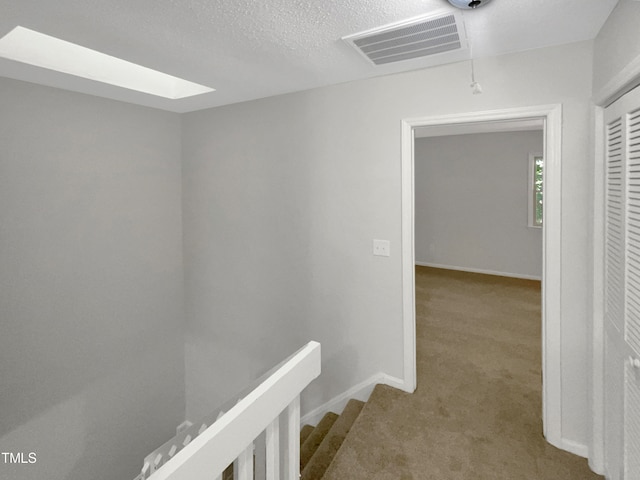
(319, 445)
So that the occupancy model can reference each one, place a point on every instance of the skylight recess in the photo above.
(34, 48)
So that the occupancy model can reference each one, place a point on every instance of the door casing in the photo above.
(551, 254)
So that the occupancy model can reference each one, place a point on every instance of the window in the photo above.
(536, 183)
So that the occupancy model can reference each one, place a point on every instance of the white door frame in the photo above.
(551, 253)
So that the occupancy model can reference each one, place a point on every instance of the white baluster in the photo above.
(292, 468)
(219, 477)
(146, 470)
(260, 462)
(245, 464)
(173, 450)
(183, 426)
(273, 450)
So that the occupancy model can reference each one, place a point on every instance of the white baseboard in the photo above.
(575, 448)
(394, 382)
(361, 391)
(597, 468)
(183, 426)
(479, 270)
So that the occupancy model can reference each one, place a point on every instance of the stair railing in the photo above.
(187, 431)
(204, 452)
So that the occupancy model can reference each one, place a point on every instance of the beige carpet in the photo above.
(476, 413)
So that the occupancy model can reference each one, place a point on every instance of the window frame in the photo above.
(531, 204)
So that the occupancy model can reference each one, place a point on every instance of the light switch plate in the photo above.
(382, 248)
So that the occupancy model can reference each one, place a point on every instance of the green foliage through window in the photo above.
(538, 168)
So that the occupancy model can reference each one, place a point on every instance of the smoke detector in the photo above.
(468, 4)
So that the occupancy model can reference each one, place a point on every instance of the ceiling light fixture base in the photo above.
(468, 4)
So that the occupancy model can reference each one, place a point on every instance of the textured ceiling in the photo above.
(249, 49)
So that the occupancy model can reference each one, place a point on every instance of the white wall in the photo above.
(617, 44)
(472, 202)
(91, 348)
(283, 196)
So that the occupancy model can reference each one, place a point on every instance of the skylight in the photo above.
(27, 46)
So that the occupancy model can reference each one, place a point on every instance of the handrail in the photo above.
(167, 450)
(232, 435)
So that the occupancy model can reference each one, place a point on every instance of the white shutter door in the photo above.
(632, 422)
(632, 316)
(614, 293)
(632, 320)
(622, 288)
(614, 406)
(614, 261)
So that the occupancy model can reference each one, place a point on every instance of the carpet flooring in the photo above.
(476, 413)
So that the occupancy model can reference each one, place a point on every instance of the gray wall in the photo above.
(472, 202)
(283, 196)
(91, 348)
(617, 43)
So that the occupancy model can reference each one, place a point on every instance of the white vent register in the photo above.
(410, 39)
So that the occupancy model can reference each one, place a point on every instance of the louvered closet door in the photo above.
(614, 292)
(622, 288)
(632, 317)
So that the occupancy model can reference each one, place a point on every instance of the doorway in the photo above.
(478, 198)
(550, 116)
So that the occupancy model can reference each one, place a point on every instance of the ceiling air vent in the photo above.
(415, 38)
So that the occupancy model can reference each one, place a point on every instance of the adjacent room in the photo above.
(476, 208)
